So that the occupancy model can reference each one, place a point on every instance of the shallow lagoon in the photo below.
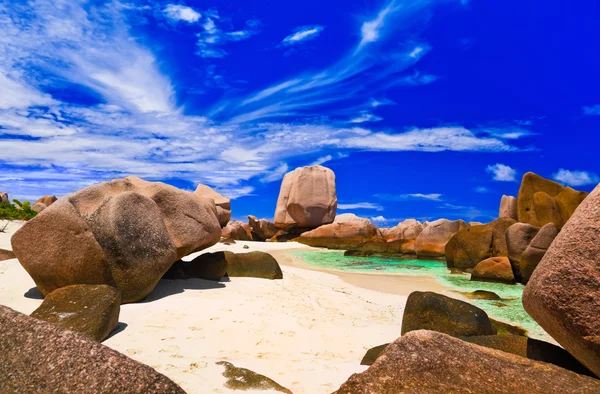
(508, 309)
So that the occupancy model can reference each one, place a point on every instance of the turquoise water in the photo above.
(509, 309)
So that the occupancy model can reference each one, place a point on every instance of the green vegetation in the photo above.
(17, 211)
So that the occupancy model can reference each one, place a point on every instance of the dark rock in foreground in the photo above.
(253, 264)
(39, 357)
(245, 379)
(92, 310)
(431, 362)
(6, 255)
(209, 266)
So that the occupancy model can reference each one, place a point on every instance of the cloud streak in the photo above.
(301, 34)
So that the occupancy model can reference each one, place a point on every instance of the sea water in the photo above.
(508, 309)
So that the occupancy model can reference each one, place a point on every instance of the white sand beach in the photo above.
(308, 332)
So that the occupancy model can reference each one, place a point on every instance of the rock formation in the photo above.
(124, 233)
(345, 235)
(434, 237)
(508, 208)
(307, 198)
(262, 229)
(222, 203)
(4, 197)
(237, 230)
(43, 203)
(494, 269)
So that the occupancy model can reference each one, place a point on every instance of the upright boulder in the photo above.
(39, 357)
(432, 241)
(307, 198)
(471, 245)
(562, 293)
(436, 312)
(431, 362)
(92, 310)
(542, 201)
(4, 197)
(345, 235)
(508, 208)
(124, 233)
(262, 229)
(222, 203)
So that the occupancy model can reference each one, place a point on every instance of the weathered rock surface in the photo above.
(434, 237)
(237, 230)
(43, 203)
(494, 269)
(427, 362)
(124, 233)
(209, 266)
(253, 264)
(245, 379)
(509, 208)
(307, 198)
(542, 201)
(262, 229)
(534, 253)
(436, 312)
(222, 203)
(92, 310)
(347, 235)
(6, 255)
(518, 238)
(4, 197)
(350, 217)
(406, 230)
(562, 293)
(39, 357)
(471, 245)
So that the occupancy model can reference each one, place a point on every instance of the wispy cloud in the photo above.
(593, 110)
(481, 190)
(576, 178)
(277, 174)
(178, 13)
(371, 29)
(501, 172)
(366, 116)
(304, 33)
(214, 37)
(410, 196)
(360, 205)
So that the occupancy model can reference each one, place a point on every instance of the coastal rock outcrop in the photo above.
(345, 235)
(436, 312)
(40, 357)
(262, 229)
(125, 233)
(562, 293)
(43, 203)
(222, 203)
(92, 310)
(432, 241)
(542, 201)
(237, 231)
(494, 269)
(307, 198)
(428, 362)
(509, 208)
(469, 246)
(4, 197)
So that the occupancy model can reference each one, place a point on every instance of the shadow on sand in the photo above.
(167, 287)
(33, 294)
(120, 327)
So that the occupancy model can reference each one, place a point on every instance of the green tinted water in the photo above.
(509, 309)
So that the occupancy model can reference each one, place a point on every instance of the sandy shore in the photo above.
(308, 331)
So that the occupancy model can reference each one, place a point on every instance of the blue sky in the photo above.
(423, 108)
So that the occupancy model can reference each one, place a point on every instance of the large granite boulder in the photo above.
(43, 203)
(346, 235)
(436, 312)
(518, 238)
(494, 269)
(39, 357)
(237, 230)
(472, 245)
(432, 241)
(350, 217)
(262, 229)
(307, 198)
(209, 266)
(253, 265)
(432, 362)
(406, 230)
(222, 203)
(508, 208)
(542, 201)
(124, 233)
(534, 253)
(92, 310)
(6, 254)
(4, 197)
(562, 293)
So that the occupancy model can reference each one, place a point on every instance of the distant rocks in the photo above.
(4, 197)
(237, 230)
(508, 208)
(92, 310)
(39, 357)
(261, 229)
(43, 203)
(223, 204)
(562, 293)
(307, 198)
(340, 235)
(432, 241)
(494, 269)
(350, 217)
(432, 362)
(124, 233)
(542, 201)
(471, 245)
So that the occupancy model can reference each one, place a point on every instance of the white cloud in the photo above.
(360, 205)
(303, 33)
(371, 30)
(501, 172)
(276, 174)
(576, 178)
(433, 196)
(366, 116)
(419, 79)
(176, 12)
(593, 110)
(410, 196)
(213, 37)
